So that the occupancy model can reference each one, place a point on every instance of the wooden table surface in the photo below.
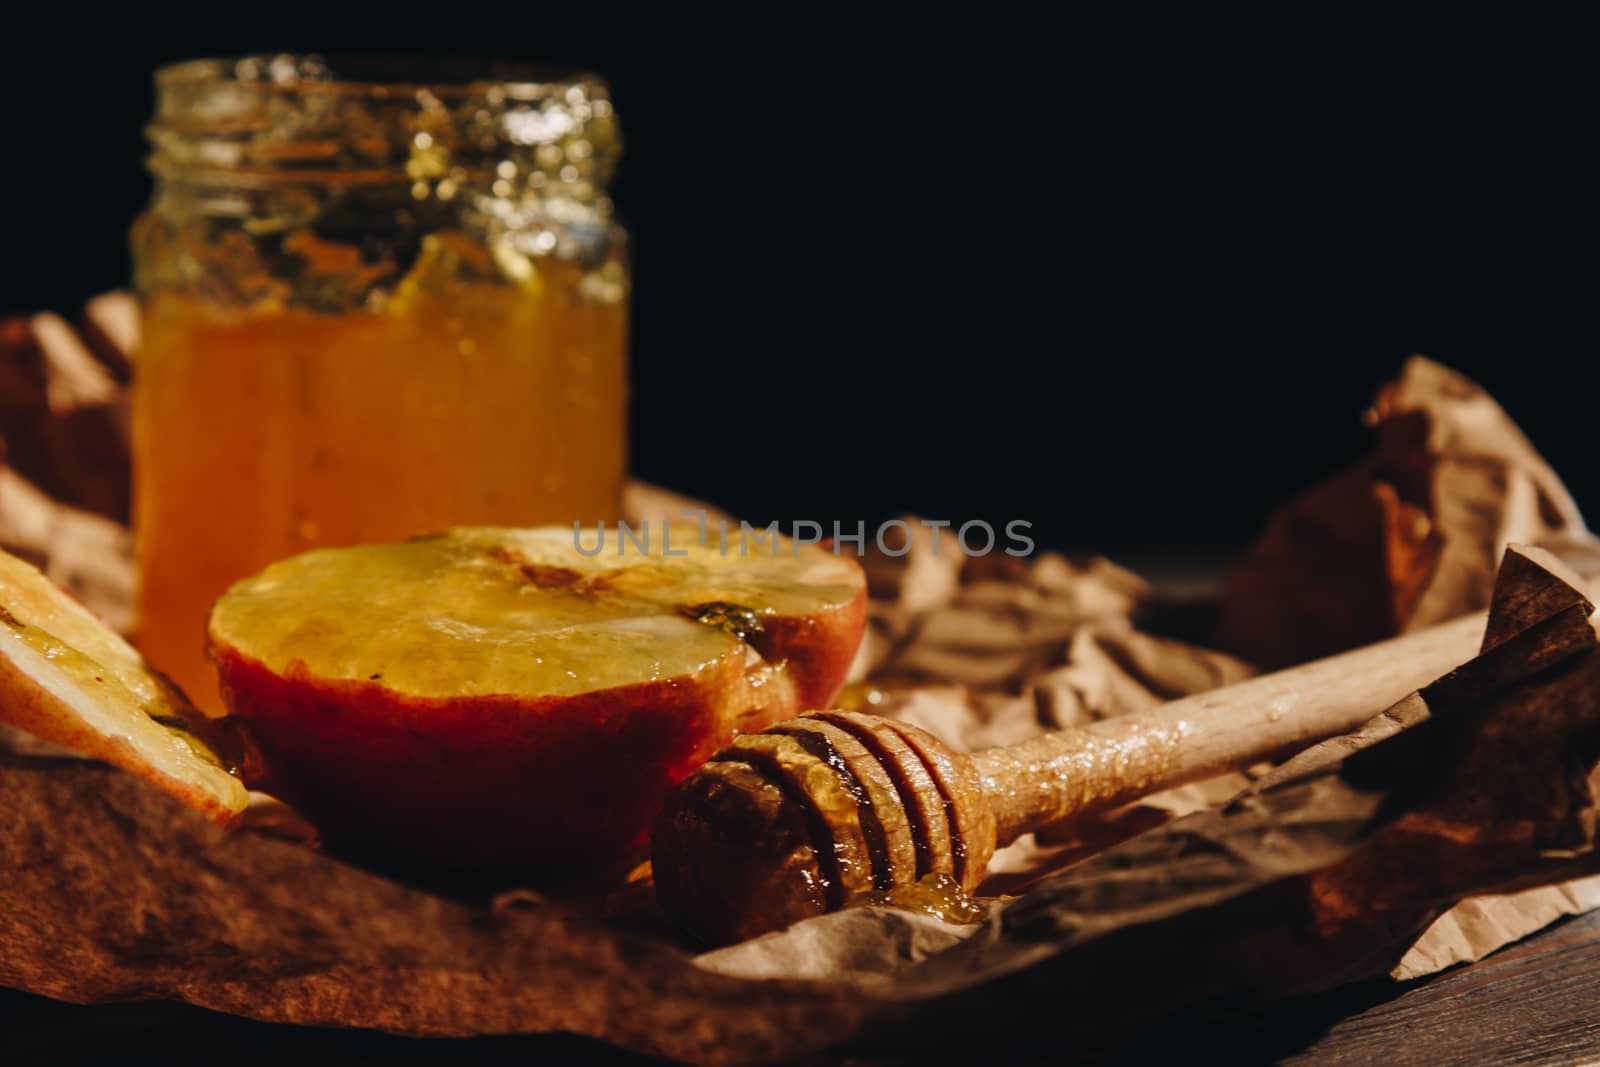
(1534, 1003)
(1537, 1002)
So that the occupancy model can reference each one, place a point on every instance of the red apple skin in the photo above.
(562, 788)
(472, 783)
(819, 649)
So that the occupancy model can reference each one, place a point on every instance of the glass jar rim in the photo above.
(285, 118)
(377, 77)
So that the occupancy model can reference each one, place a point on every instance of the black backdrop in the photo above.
(1132, 283)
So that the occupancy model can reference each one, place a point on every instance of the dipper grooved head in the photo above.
(811, 814)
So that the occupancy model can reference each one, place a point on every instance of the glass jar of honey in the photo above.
(375, 305)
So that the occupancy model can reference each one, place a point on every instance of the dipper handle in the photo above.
(1076, 772)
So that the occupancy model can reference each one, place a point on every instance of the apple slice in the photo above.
(495, 698)
(66, 677)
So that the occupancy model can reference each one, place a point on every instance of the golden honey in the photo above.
(371, 310)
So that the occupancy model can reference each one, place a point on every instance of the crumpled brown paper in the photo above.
(64, 452)
(111, 892)
(1409, 537)
(61, 405)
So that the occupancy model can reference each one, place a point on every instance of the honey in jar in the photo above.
(372, 309)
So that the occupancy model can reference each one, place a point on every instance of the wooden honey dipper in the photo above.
(817, 811)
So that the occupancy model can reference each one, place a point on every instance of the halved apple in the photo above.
(494, 697)
(68, 678)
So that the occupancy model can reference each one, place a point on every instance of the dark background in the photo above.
(1133, 283)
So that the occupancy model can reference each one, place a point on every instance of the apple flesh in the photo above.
(68, 678)
(491, 698)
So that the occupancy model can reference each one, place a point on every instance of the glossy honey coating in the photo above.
(882, 818)
(732, 856)
(816, 813)
(924, 805)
